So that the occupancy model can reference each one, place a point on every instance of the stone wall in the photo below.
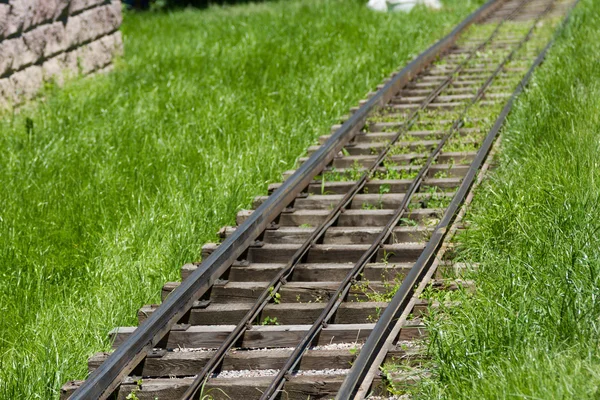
(42, 40)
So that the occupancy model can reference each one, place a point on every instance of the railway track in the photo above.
(332, 275)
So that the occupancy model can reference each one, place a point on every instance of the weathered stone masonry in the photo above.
(41, 40)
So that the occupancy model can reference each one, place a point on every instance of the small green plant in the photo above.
(384, 189)
(269, 321)
(350, 174)
(386, 256)
(368, 206)
(418, 161)
(390, 172)
(133, 395)
(414, 205)
(399, 149)
(437, 201)
(442, 295)
(372, 294)
(460, 146)
(431, 221)
(408, 222)
(275, 296)
(375, 317)
(356, 171)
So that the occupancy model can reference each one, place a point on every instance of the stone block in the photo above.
(7, 49)
(48, 10)
(4, 11)
(21, 16)
(18, 12)
(73, 30)
(7, 93)
(43, 12)
(15, 55)
(77, 6)
(35, 45)
(55, 39)
(61, 9)
(27, 82)
(118, 43)
(35, 41)
(24, 15)
(71, 61)
(59, 68)
(96, 55)
(23, 55)
(115, 13)
(93, 23)
(53, 68)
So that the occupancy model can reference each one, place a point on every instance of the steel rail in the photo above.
(340, 295)
(376, 340)
(102, 382)
(283, 275)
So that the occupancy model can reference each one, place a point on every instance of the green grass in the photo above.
(113, 183)
(532, 329)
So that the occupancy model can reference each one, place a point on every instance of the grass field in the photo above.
(114, 182)
(532, 329)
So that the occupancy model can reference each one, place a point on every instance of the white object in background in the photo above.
(401, 5)
(433, 4)
(377, 5)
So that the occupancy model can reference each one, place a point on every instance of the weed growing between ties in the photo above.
(531, 329)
